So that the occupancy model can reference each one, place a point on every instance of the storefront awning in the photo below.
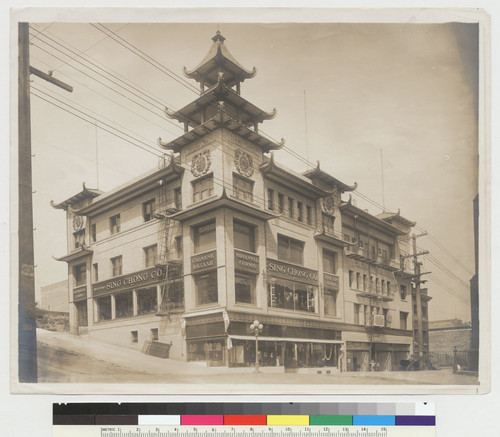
(302, 340)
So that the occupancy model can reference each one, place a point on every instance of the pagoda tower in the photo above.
(221, 128)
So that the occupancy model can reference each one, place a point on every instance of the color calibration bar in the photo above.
(271, 420)
(220, 414)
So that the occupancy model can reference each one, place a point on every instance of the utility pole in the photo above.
(420, 332)
(27, 359)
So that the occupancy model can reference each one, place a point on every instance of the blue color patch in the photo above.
(374, 420)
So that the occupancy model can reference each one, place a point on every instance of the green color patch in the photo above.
(330, 420)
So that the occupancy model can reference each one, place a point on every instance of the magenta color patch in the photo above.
(202, 420)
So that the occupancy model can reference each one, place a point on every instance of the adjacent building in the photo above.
(188, 255)
(54, 297)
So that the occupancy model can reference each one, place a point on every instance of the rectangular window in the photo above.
(123, 305)
(150, 256)
(176, 293)
(329, 262)
(243, 188)
(291, 295)
(382, 287)
(384, 254)
(178, 246)
(134, 336)
(372, 289)
(80, 274)
(403, 320)
(346, 238)
(365, 282)
(300, 211)
(291, 212)
(290, 250)
(270, 199)
(204, 237)
(330, 302)
(114, 224)
(244, 288)
(244, 236)
(93, 233)
(103, 308)
(358, 280)
(368, 315)
(203, 188)
(206, 288)
(96, 272)
(356, 313)
(402, 291)
(388, 288)
(386, 316)
(147, 301)
(328, 222)
(376, 285)
(116, 266)
(351, 279)
(79, 239)
(148, 210)
(308, 215)
(281, 203)
(424, 312)
(178, 198)
(154, 334)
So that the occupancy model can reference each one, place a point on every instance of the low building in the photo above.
(188, 255)
(54, 297)
(447, 336)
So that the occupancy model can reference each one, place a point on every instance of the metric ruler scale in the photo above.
(241, 431)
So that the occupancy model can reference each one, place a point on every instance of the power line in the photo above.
(146, 58)
(92, 123)
(93, 113)
(44, 31)
(111, 88)
(450, 291)
(107, 70)
(107, 98)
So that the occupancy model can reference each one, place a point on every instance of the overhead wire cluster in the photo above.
(125, 88)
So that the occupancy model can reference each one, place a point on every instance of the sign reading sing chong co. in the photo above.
(133, 280)
(291, 272)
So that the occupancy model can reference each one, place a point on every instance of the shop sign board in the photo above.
(80, 293)
(132, 280)
(204, 262)
(245, 261)
(330, 281)
(291, 272)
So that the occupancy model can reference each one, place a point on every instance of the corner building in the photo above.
(180, 261)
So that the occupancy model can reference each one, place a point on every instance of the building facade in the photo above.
(188, 255)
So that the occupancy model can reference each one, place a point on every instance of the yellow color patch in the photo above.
(288, 420)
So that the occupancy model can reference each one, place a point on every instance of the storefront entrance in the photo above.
(286, 353)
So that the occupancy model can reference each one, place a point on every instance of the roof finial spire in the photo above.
(218, 36)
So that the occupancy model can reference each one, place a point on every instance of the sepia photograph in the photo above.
(249, 205)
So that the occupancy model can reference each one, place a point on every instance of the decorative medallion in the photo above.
(329, 205)
(243, 162)
(201, 163)
(78, 222)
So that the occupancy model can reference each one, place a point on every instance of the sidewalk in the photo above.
(120, 356)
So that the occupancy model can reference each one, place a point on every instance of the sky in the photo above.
(406, 93)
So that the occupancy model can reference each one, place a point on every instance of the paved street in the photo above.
(65, 358)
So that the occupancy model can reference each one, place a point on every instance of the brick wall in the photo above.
(445, 340)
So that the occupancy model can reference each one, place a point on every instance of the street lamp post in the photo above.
(256, 327)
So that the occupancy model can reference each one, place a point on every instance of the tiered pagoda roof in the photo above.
(220, 105)
(219, 59)
(242, 110)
